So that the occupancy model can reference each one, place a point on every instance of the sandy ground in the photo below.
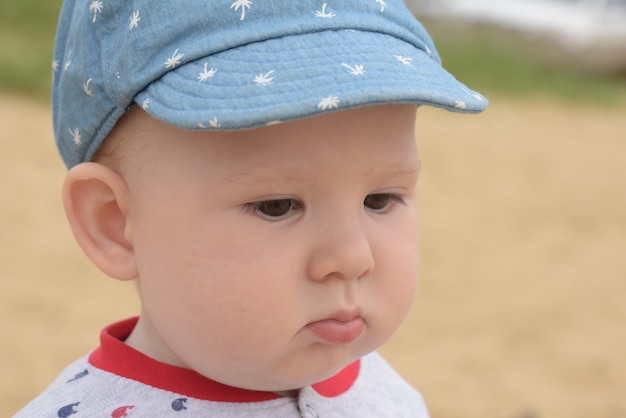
(521, 310)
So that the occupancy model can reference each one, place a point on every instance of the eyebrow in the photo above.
(404, 169)
(267, 173)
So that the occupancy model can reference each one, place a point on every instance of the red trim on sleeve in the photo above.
(118, 358)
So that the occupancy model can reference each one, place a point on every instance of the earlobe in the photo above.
(95, 200)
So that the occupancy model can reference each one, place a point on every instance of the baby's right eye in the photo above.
(274, 209)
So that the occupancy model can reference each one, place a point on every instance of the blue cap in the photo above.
(238, 64)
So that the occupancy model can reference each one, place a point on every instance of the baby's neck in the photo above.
(288, 393)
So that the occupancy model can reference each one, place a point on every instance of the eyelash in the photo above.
(261, 208)
(392, 199)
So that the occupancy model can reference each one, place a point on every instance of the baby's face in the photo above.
(270, 259)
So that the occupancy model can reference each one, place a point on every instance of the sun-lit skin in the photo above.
(241, 239)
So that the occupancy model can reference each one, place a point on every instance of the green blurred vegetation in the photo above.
(27, 30)
(508, 64)
(493, 62)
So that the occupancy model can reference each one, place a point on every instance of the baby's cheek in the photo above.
(396, 289)
(405, 287)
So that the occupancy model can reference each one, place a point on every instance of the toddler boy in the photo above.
(251, 165)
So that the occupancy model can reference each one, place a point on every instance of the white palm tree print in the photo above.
(404, 60)
(243, 5)
(95, 7)
(174, 60)
(264, 79)
(207, 73)
(327, 103)
(382, 5)
(134, 20)
(145, 104)
(75, 136)
(323, 13)
(474, 95)
(213, 123)
(356, 70)
(86, 88)
(68, 61)
(460, 104)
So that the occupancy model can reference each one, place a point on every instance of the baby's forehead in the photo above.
(139, 138)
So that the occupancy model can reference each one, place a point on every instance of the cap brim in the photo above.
(299, 76)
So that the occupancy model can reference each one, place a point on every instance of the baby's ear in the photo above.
(96, 203)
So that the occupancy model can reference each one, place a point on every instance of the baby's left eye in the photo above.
(379, 202)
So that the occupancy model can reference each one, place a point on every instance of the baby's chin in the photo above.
(289, 378)
(322, 362)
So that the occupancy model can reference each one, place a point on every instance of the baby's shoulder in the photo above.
(378, 391)
(86, 390)
(55, 399)
(386, 390)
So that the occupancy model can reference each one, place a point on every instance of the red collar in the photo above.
(118, 358)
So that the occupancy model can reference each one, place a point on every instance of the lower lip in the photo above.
(337, 332)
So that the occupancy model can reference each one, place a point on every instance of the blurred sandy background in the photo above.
(521, 309)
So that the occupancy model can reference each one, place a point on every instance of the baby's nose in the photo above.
(342, 250)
